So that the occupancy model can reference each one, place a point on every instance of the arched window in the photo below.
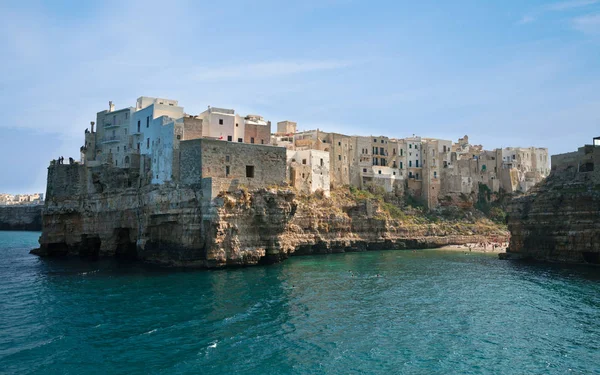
(126, 160)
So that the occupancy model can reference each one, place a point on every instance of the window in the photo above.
(417, 163)
(251, 139)
(236, 124)
(227, 158)
(374, 140)
(393, 151)
(138, 126)
(138, 146)
(114, 120)
(322, 162)
(417, 176)
(410, 163)
(381, 151)
(339, 143)
(220, 121)
(394, 173)
(147, 121)
(434, 174)
(229, 138)
(339, 157)
(240, 140)
(401, 152)
(124, 148)
(117, 148)
(147, 142)
(178, 136)
(410, 145)
(365, 170)
(382, 141)
(226, 170)
(262, 141)
(401, 166)
(444, 148)
(113, 133)
(126, 115)
(303, 161)
(250, 171)
(375, 149)
(116, 163)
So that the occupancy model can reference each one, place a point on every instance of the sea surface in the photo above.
(384, 312)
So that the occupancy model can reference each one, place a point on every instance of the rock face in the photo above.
(20, 217)
(559, 220)
(100, 213)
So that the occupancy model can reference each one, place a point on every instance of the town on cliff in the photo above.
(164, 143)
(220, 189)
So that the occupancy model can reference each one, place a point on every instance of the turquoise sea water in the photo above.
(429, 312)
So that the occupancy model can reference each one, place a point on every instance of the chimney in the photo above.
(92, 123)
(111, 106)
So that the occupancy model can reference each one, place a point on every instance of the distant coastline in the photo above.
(21, 217)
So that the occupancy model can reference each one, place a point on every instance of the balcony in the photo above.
(111, 139)
(108, 125)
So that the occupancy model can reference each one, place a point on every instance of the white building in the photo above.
(308, 170)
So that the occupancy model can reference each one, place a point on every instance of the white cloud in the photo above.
(267, 69)
(526, 19)
(589, 24)
(567, 5)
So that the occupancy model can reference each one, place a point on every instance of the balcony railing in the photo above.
(111, 125)
(111, 139)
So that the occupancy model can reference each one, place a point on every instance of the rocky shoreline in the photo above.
(179, 225)
(21, 217)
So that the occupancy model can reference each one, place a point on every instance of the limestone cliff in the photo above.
(100, 213)
(559, 220)
(21, 217)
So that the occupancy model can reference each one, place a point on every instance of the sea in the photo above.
(380, 312)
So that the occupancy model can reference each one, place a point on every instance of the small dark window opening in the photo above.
(178, 136)
(262, 141)
(220, 121)
(147, 121)
(229, 138)
(251, 139)
(226, 170)
(250, 171)
(240, 140)
(303, 161)
(138, 126)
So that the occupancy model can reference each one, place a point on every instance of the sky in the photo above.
(505, 72)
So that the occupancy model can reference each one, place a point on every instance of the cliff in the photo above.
(21, 217)
(559, 220)
(188, 225)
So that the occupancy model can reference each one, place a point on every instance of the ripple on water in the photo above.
(428, 312)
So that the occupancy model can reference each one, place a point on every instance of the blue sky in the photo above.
(506, 72)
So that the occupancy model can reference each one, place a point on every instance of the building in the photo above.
(231, 165)
(308, 170)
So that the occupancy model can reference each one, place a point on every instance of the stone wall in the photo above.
(253, 165)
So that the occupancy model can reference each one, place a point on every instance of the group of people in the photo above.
(61, 160)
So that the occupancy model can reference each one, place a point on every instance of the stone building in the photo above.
(585, 160)
(231, 165)
(225, 124)
(308, 170)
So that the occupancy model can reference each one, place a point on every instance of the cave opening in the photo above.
(126, 248)
(591, 257)
(90, 247)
